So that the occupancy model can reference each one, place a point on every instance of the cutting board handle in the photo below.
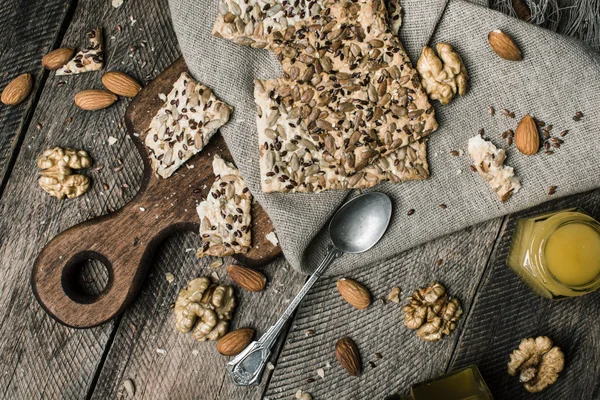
(123, 241)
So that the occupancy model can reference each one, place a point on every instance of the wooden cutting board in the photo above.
(125, 240)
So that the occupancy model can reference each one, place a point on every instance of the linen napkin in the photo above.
(557, 77)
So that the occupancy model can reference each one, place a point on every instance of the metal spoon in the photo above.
(356, 227)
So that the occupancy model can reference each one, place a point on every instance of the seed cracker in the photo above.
(88, 59)
(225, 217)
(182, 127)
(489, 162)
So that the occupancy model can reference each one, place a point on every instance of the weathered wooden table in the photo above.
(39, 358)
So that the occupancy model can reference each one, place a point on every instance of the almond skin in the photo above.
(354, 293)
(94, 99)
(121, 84)
(504, 46)
(247, 278)
(17, 90)
(57, 58)
(348, 355)
(235, 341)
(527, 138)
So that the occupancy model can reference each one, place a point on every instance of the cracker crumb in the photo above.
(170, 277)
(112, 140)
(161, 351)
(272, 237)
(117, 3)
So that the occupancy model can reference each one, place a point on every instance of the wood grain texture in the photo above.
(40, 358)
(126, 240)
(189, 369)
(36, 30)
(406, 359)
(505, 311)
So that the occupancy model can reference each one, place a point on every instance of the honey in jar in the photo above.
(557, 254)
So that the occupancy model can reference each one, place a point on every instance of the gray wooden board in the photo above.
(39, 357)
(26, 34)
(406, 359)
(505, 311)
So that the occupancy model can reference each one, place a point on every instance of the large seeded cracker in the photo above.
(182, 127)
(225, 215)
(349, 92)
(291, 162)
(88, 59)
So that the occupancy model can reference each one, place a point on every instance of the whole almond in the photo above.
(235, 341)
(527, 138)
(354, 293)
(348, 355)
(57, 58)
(17, 90)
(247, 278)
(504, 46)
(94, 99)
(121, 84)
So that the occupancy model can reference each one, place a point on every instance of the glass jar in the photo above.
(463, 384)
(557, 254)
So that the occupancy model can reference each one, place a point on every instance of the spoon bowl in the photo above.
(360, 223)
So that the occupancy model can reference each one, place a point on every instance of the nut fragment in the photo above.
(348, 355)
(537, 362)
(445, 76)
(94, 99)
(57, 58)
(504, 46)
(17, 90)
(432, 312)
(394, 295)
(354, 293)
(247, 278)
(211, 303)
(235, 341)
(121, 84)
(527, 138)
(57, 176)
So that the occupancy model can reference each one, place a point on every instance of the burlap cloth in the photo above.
(557, 77)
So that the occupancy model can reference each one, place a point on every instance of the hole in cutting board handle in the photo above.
(86, 277)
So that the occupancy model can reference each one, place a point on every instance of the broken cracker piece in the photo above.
(489, 162)
(88, 59)
(182, 127)
(225, 215)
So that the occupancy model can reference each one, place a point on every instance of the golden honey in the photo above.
(557, 254)
(464, 384)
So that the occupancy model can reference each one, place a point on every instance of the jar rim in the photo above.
(585, 220)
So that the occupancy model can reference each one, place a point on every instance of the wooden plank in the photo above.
(189, 369)
(26, 34)
(406, 359)
(38, 356)
(505, 311)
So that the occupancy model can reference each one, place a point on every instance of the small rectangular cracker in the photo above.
(489, 162)
(90, 58)
(225, 215)
(182, 127)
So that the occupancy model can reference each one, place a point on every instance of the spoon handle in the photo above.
(246, 368)
(271, 335)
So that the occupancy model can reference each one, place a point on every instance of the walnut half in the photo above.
(444, 76)
(537, 362)
(212, 304)
(432, 312)
(57, 176)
